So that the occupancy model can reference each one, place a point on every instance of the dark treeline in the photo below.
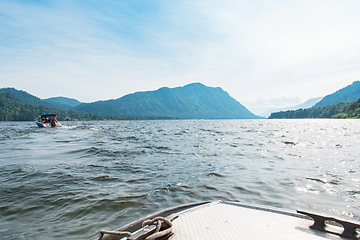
(14, 109)
(339, 110)
(352, 111)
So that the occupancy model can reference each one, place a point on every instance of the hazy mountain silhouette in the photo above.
(308, 104)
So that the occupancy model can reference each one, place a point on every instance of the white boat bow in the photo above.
(228, 220)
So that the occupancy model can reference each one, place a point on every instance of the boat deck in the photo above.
(235, 221)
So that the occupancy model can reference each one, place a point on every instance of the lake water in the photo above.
(71, 182)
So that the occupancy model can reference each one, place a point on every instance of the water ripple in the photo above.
(68, 183)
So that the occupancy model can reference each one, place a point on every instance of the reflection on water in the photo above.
(71, 182)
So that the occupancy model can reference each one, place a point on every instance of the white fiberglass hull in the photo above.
(47, 125)
(234, 221)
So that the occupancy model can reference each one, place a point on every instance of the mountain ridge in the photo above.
(63, 102)
(14, 109)
(349, 93)
(332, 104)
(26, 97)
(192, 101)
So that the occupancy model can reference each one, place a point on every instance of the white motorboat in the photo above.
(229, 220)
(47, 120)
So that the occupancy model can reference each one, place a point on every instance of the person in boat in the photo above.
(53, 124)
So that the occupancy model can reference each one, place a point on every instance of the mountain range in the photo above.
(349, 93)
(193, 101)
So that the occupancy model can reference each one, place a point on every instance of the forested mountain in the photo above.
(14, 109)
(321, 112)
(26, 97)
(339, 110)
(346, 94)
(330, 105)
(54, 102)
(193, 101)
(352, 111)
(63, 102)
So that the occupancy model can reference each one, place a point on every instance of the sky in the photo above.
(265, 54)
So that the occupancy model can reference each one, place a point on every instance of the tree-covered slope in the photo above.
(193, 101)
(14, 109)
(352, 111)
(347, 94)
(327, 111)
(26, 97)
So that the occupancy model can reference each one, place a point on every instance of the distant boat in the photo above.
(229, 220)
(47, 120)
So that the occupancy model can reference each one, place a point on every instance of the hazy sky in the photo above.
(263, 53)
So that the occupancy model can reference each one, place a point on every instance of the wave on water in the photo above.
(70, 182)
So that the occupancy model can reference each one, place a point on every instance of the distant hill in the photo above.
(308, 104)
(327, 111)
(330, 105)
(14, 109)
(26, 97)
(54, 102)
(63, 102)
(347, 94)
(193, 101)
(339, 110)
(352, 111)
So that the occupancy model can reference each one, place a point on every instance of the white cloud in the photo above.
(272, 102)
(255, 50)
